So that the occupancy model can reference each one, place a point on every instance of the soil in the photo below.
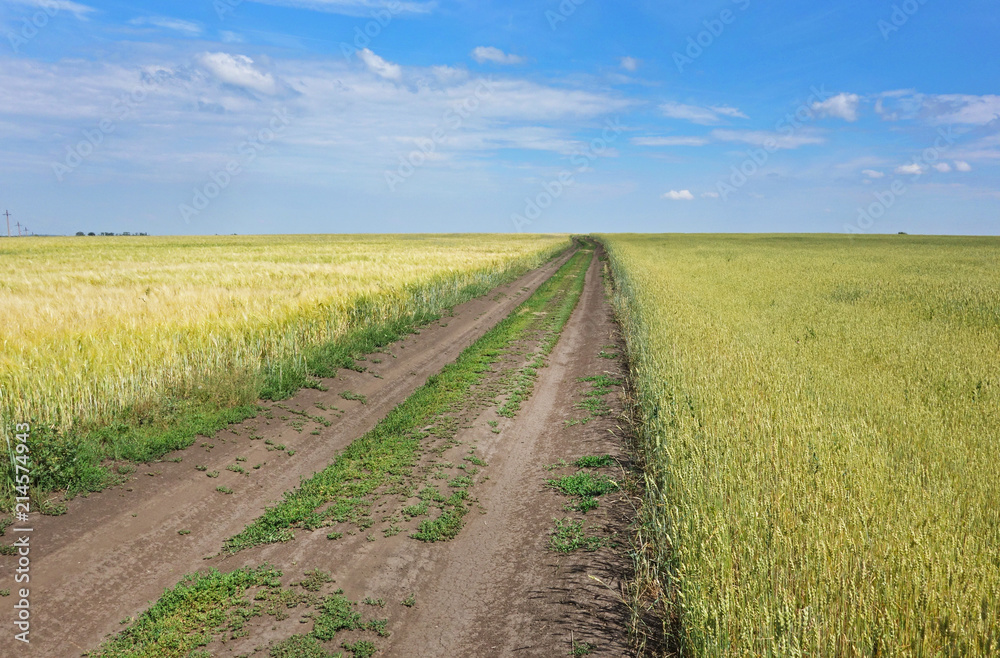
(494, 590)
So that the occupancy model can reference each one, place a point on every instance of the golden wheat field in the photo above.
(820, 419)
(95, 325)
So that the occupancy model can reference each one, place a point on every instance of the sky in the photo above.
(352, 116)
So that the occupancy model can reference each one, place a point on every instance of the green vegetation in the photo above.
(595, 461)
(817, 418)
(586, 487)
(448, 524)
(348, 395)
(387, 453)
(213, 605)
(570, 535)
(191, 614)
(593, 400)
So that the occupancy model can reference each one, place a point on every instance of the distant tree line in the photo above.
(105, 233)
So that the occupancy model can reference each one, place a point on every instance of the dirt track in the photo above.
(493, 590)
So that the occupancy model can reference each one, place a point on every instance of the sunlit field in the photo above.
(93, 327)
(820, 418)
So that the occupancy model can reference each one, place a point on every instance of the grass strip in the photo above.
(187, 616)
(389, 451)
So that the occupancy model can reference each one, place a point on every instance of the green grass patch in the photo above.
(448, 524)
(584, 484)
(595, 461)
(191, 614)
(569, 535)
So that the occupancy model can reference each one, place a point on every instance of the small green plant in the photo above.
(241, 459)
(336, 613)
(443, 528)
(361, 648)
(413, 511)
(594, 461)
(299, 646)
(334, 535)
(348, 395)
(584, 484)
(183, 532)
(569, 535)
(410, 601)
(225, 490)
(375, 602)
(4, 592)
(315, 580)
(236, 468)
(201, 468)
(582, 648)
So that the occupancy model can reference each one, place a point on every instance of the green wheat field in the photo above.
(820, 418)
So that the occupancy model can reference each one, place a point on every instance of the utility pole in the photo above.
(7, 214)
(18, 225)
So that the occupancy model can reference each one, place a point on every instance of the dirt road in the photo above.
(495, 589)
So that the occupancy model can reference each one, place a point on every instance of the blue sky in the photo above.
(315, 116)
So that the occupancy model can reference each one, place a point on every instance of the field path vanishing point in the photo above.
(495, 589)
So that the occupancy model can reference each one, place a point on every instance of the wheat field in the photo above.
(820, 421)
(93, 326)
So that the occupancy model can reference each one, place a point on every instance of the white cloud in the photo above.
(769, 139)
(379, 66)
(871, 173)
(239, 71)
(841, 106)
(187, 27)
(700, 115)
(630, 64)
(963, 108)
(75, 8)
(710, 195)
(943, 167)
(484, 54)
(669, 141)
(962, 166)
(355, 7)
(346, 121)
(910, 169)
(674, 195)
(230, 37)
